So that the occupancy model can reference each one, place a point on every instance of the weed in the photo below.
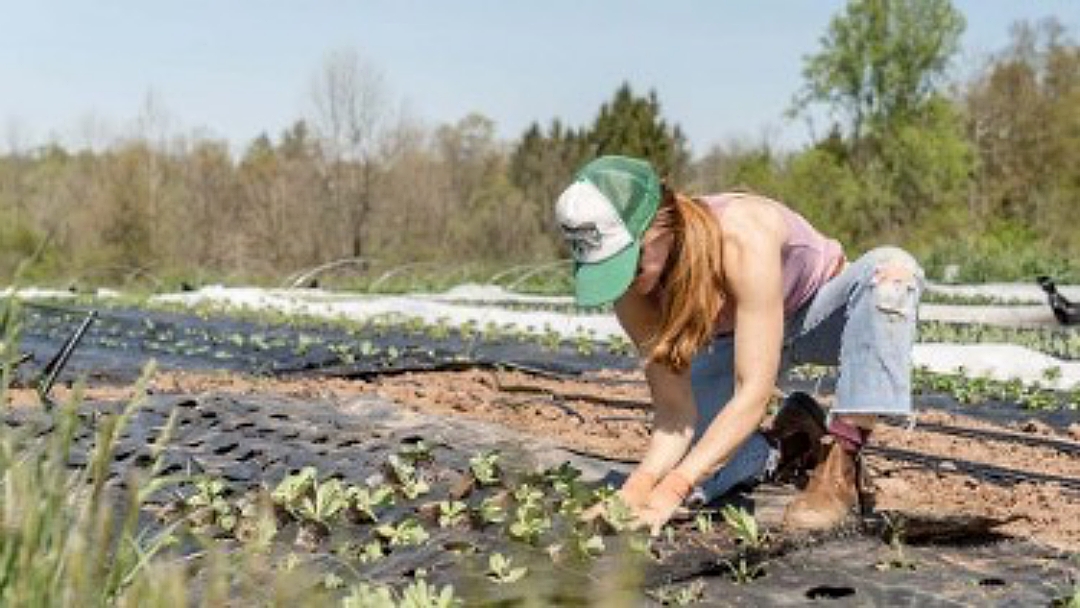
(743, 571)
(704, 522)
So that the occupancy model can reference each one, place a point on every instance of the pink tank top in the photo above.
(808, 257)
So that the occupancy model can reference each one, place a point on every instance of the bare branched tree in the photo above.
(350, 102)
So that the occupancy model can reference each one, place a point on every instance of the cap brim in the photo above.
(604, 282)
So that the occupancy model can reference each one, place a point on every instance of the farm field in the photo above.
(405, 445)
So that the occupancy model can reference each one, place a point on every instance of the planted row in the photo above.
(499, 523)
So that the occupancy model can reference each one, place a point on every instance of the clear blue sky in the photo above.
(235, 68)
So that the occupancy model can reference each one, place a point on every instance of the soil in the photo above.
(605, 415)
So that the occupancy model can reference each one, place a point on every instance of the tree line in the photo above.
(982, 172)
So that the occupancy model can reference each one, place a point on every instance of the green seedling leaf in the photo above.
(491, 510)
(367, 501)
(502, 571)
(416, 452)
(742, 571)
(616, 513)
(371, 552)
(332, 581)
(704, 522)
(408, 482)
(527, 495)
(591, 546)
(420, 594)
(529, 523)
(293, 487)
(744, 526)
(680, 595)
(451, 513)
(330, 499)
(485, 468)
(407, 532)
(368, 596)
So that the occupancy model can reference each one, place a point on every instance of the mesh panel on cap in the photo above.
(630, 184)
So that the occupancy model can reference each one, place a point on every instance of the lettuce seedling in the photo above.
(451, 513)
(591, 545)
(328, 500)
(343, 352)
(371, 552)
(501, 569)
(257, 524)
(407, 532)
(406, 478)
(366, 501)
(528, 496)
(416, 452)
(210, 506)
(616, 513)
(485, 468)
(420, 594)
(529, 523)
(491, 510)
(293, 487)
(680, 595)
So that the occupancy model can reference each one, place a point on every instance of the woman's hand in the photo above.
(664, 500)
(637, 488)
(634, 492)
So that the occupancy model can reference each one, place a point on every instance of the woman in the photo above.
(720, 293)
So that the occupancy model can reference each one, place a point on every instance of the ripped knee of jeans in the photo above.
(896, 286)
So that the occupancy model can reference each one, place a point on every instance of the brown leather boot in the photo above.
(796, 431)
(833, 489)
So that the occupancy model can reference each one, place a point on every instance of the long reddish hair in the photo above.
(691, 288)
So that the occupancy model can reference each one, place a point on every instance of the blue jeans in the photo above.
(857, 320)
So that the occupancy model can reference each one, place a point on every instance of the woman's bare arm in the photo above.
(753, 237)
(673, 399)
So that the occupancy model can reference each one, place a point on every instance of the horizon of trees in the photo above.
(984, 173)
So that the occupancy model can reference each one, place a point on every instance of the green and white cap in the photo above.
(603, 216)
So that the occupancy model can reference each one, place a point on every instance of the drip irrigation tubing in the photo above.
(990, 473)
(437, 366)
(562, 397)
(986, 472)
(1066, 447)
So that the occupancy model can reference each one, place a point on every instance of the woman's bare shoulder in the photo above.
(751, 217)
